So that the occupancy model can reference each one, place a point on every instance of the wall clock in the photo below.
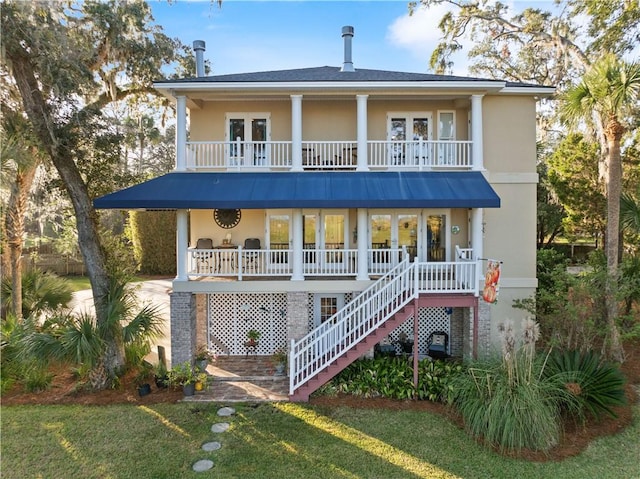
(226, 218)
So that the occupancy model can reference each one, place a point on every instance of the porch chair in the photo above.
(437, 345)
(251, 256)
(205, 257)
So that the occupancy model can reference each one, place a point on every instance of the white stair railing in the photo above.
(366, 313)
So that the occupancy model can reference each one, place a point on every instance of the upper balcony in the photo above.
(328, 155)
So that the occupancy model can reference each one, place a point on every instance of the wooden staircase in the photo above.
(362, 323)
(303, 392)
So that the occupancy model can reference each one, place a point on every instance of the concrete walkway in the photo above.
(154, 292)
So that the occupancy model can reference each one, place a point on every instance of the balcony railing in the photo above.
(239, 263)
(328, 155)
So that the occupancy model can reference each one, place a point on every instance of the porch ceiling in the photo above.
(190, 190)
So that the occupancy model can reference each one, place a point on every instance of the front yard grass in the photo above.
(276, 440)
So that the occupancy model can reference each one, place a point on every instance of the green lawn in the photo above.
(281, 440)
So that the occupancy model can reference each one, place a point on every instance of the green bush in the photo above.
(385, 376)
(42, 292)
(153, 236)
(509, 409)
(37, 378)
(392, 377)
(435, 380)
(594, 385)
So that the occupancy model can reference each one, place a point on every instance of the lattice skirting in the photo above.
(231, 315)
(429, 320)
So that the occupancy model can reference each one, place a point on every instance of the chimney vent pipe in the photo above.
(347, 35)
(199, 47)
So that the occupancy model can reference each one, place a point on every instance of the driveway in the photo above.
(154, 292)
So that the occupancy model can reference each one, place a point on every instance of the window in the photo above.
(446, 132)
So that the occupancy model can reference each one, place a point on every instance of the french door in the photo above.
(248, 135)
(404, 132)
(324, 230)
(423, 234)
(279, 234)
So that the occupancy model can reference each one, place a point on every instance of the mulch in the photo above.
(576, 437)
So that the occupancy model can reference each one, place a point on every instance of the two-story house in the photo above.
(332, 208)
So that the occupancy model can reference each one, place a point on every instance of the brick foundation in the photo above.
(183, 327)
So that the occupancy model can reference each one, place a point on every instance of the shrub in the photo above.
(594, 385)
(506, 401)
(435, 380)
(153, 236)
(42, 292)
(37, 378)
(509, 412)
(385, 376)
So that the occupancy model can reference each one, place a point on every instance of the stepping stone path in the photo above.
(206, 464)
(211, 446)
(220, 427)
(203, 465)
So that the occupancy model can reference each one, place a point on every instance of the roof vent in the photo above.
(199, 47)
(347, 35)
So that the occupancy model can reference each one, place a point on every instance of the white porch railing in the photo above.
(238, 262)
(370, 309)
(238, 154)
(328, 155)
(419, 154)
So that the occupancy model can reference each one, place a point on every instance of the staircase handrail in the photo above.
(351, 324)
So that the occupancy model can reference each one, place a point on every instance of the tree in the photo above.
(69, 60)
(20, 159)
(609, 89)
(550, 212)
(573, 177)
(534, 45)
(537, 46)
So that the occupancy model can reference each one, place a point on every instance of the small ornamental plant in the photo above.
(253, 335)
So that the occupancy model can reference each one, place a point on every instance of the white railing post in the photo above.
(296, 132)
(362, 162)
(298, 253)
(181, 133)
(182, 244)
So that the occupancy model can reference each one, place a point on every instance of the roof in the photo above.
(334, 74)
(277, 190)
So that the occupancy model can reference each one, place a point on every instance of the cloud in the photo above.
(419, 34)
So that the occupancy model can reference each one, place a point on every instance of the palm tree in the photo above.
(20, 160)
(608, 90)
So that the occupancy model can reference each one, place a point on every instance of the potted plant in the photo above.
(142, 379)
(161, 375)
(253, 335)
(203, 357)
(202, 379)
(184, 375)
(279, 360)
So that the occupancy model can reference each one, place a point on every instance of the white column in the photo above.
(363, 264)
(181, 133)
(477, 239)
(362, 131)
(182, 244)
(296, 245)
(476, 132)
(296, 132)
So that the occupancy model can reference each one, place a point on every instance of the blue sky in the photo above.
(248, 36)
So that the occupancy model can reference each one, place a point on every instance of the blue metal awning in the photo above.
(403, 189)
